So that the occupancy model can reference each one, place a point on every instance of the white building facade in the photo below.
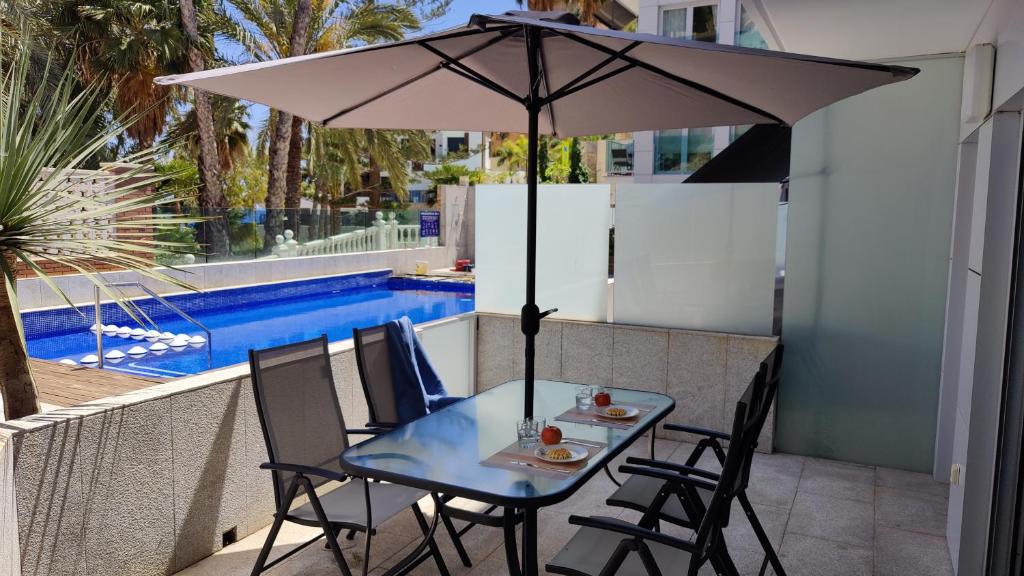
(670, 155)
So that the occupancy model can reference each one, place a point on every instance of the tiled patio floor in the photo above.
(829, 518)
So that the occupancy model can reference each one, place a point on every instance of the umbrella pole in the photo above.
(531, 313)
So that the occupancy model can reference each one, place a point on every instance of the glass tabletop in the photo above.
(444, 451)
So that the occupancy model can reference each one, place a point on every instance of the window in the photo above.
(747, 34)
(456, 143)
(693, 22)
(668, 151)
(700, 147)
(679, 151)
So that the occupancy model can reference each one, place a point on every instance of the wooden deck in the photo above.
(65, 386)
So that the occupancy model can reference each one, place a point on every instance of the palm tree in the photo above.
(512, 154)
(231, 131)
(264, 31)
(41, 220)
(586, 10)
(210, 190)
(123, 45)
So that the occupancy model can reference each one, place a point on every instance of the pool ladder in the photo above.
(158, 298)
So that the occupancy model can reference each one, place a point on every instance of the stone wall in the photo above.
(147, 483)
(705, 372)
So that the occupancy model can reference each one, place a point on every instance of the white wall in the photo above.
(572, 249)
(696, 256)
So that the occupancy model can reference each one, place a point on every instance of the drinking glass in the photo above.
(528, 432)
(584, 398)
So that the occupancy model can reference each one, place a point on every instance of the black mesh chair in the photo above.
(640, 491)
(305, 435)
(605, 546)
(373, 361)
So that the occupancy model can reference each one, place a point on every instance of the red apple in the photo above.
(603, 399)
(551, 435)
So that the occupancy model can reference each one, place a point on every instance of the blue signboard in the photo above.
(430, 224)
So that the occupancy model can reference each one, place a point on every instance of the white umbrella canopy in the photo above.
(543, 73)
(635, 81)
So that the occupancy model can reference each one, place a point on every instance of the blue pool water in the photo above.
(251, 317)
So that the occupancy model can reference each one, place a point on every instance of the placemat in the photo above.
(505, 457)
(594, 419)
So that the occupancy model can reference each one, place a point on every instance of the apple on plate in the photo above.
(603, 399)
(551, 435)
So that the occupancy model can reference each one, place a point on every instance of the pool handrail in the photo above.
(158, 298)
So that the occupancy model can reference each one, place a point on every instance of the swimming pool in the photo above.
(242, 318)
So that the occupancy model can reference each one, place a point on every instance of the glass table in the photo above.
(444, 451)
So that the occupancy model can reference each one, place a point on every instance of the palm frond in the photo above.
(46, 137)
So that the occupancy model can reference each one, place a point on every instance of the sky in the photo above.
(458, 13)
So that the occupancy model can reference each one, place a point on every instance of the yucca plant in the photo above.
(46, 133)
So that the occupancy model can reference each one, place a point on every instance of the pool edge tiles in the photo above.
(66, 319)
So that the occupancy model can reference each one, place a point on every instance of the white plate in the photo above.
(578, 453)
(630, 412)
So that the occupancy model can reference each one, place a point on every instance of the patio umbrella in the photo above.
(542, 73)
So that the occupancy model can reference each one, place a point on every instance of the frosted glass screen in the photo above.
(572, 249)
(696, 256)
(870, 216)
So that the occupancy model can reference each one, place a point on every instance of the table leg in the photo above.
(530, 542)
(511, 546)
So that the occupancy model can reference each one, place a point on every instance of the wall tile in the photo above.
(50, 508)
(126, 465)
(587, 353)
(29, 294)
(495, 346)
(640, 359)
(548, 359)
(259, 488)
(696, 380)
(10, 550)
(210, 469)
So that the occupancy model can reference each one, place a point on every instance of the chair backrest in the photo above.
(736, 469)
(772, 366)
(298, 408)
(374, 363)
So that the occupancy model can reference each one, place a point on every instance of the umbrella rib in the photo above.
(547, 86)
(503, 34)
(666, 74)
(610, 74)
(557, 94)
(455, 65)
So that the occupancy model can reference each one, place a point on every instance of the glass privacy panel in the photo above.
(572, 249)
(870, 217)
(696, 256)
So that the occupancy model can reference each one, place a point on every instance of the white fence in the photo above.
(381, 235)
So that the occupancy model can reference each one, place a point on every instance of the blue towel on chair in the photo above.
(418, 389)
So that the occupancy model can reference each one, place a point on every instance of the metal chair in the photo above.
(305, 434)
(605, 546)
(373, 361)
(640, 491)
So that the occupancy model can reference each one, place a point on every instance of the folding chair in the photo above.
(305, 434)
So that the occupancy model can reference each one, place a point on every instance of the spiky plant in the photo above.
(46, 133)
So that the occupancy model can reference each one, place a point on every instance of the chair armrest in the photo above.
(304, 470)
(668, 476)
(384, 425)
(680, 468)
(707, 432)
(623, 527)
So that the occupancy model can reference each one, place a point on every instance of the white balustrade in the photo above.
(382, 235)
